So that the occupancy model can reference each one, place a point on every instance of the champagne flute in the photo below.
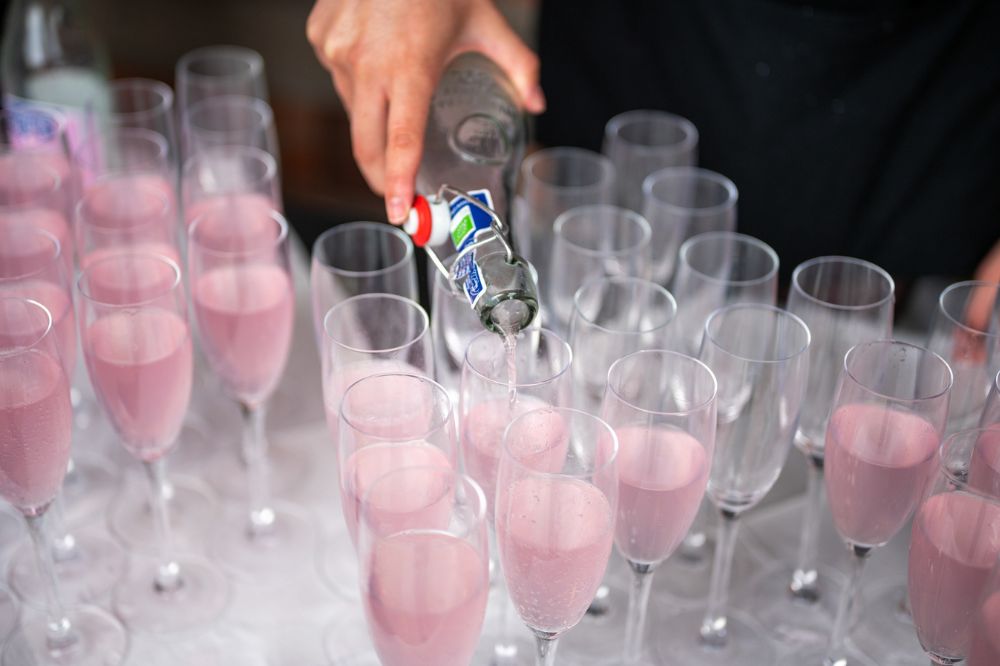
(211, 71)
(244, 303)
(365, 335)
(87, 562)
(760, 356)
(557, 497)
(953, 546)
(592, 242)
(241, 178)
(359, 258)
(888, 416)
(844, 301)
(387, 422)
(142, 104)
(641, 142)
(230, 120)
(984, 648)
(991, 412)
(662, 407)
(32, 193)
(140, 155)
(541, 365)
(35, 441)
(552, 181)
(137, 344)
(424, 559)
(37, 133)
(682, 202)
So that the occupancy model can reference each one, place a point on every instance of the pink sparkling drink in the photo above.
(984, 467)
(985, 647)
(245, 317)
(240, 205)
(140, 365)
(878, 461)
(342, 378)
(955, 542)
(662, 474)
(35, 429)
(425, 598)
(554, 536)
(430, 502)
(58, 303)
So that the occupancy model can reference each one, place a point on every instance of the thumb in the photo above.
(496, 40)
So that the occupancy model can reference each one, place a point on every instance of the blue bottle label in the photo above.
(467, 222)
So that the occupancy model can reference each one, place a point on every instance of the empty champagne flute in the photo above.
(682, 202)
(716, 269)
(592, 242)
(424, 566)
(359, 258)
(760, 357)
(953, 546)
(138, 103)
(662, 406)
(612, 318)
(87, 562)
(230, 120)
(211, 71)
(35, 439)
(242, 179)
(888, 415)
(552, 181)
(991, 412)
(490, 399)
(557, 497)
(984, 647)
(844, 301)
(641, 142)
(244, 303)
(137, 344)
(388, 422)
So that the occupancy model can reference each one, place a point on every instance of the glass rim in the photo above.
(558, 153)
(690, 360)
(612, 459)
(461, 479)
(890, 342)
(272, 214)
(613, 129)
(408, 303)
(780, 312)
(253, 60)
(100, 135)
(54, 183)
(438, 423)
(962, 484)
(649, 285)
(164, 105)
(53, 260)
(969, 284)
(749, 241)
(49, 325)
(541, 332)
(82, 218)
(381, 228)
(834, 258)
(650, 182)
(622, 214)
(118, 256)
(245, 102)
(245, 153)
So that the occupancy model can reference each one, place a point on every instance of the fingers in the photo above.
(984, 300)
(408, 108)
(499, 42)
(368, 135)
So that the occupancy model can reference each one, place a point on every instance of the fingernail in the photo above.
(537, 99)
(397, 209)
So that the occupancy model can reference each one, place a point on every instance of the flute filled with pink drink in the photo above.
(343, 375)
(984, 649)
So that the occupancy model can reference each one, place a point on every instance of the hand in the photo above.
(386, 57)
(983, 302)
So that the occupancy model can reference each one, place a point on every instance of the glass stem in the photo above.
(59, 634)
(713, 627)
(805, 585)
(638, 603)
(168, 572)
(546, 650)
(63, 543)
(258, 478)
(835, 651)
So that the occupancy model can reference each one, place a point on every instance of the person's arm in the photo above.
(386, 57)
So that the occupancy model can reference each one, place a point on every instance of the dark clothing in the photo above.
(868, 128)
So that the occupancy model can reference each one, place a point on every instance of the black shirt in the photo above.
(868, 128)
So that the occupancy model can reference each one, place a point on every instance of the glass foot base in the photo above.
(88, 575)
(346, 641)
(261, 558)
(682, 582)
(289, 468)
(191, 507)
(89, 487)
(200, 600)
(100, 641)
(815, 655)
(338, 564)
(679, 639)
(885, 629)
